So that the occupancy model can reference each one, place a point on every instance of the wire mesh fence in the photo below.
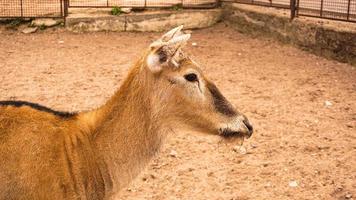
(143, 3)
(57, 8)
(271, 3)
(32, 8)
(330, 9)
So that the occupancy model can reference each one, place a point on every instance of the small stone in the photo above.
(126, 10)
(44, 22)
(348, 196)
(194, 44)
(253, 146)
(29, 30)
(210, 174)
(293, 183)
(60, 42)
(173, 154)
(153, 176)
(268, 184)
(239, 149)
(328, 103)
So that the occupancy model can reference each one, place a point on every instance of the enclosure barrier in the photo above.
(344, 10)
(269, 3)
(59, 8)
(33, 8)
(142, 3)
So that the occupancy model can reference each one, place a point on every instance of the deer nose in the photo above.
(248, 126)
(240, 127)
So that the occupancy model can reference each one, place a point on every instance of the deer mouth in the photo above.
(230, 133)
(227, 133)
(237, 129)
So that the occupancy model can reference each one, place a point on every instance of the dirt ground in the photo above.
(303, 108)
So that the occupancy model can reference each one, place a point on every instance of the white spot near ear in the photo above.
(153, 63)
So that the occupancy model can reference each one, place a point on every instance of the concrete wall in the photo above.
(145, 21)
(331, 39)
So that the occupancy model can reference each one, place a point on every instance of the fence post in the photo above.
(21, 8)
(292, 9)
(65, 13)
(348, 10)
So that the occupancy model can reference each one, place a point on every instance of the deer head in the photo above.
(182, 95)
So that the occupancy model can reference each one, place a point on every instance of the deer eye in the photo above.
(191, 77)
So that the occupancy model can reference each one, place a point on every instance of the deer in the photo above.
(48, 154)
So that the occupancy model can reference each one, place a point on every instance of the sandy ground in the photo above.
(303, 108)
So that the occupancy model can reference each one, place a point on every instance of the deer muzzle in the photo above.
(238, 127)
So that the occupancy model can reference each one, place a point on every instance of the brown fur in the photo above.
(92, 155)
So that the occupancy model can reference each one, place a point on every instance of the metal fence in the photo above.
(344, 10)
(142, 3)
(269, 3)
(33, 8)
(331, 9)
(59, 8)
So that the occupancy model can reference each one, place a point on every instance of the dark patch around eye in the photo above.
(191, 77)
(220, 102)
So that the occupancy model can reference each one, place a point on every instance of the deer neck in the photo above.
(125, 132)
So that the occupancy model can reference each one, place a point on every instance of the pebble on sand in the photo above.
(29, 30)
(173, 153)
(328, 103)
(240, 149)
(293, 183)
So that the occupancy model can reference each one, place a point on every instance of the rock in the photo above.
(29, 30)
(239, 149)
(293, 183)
(210, 174)
(253, 146)
(328, 103)
(44, 22)
(153, 176)
(126, 10)
(348, 196)
(194, 44)
(173, 154)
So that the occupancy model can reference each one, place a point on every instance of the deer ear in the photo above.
(167, 49)
(156, 59)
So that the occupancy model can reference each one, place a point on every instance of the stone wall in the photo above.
(145, 21)
(331, 39)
